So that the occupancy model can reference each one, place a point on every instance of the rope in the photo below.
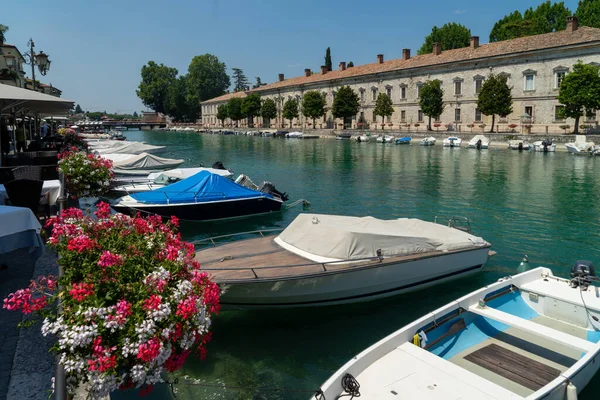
(351, 387)
(304, 202)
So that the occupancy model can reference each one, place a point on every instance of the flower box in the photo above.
(85, 174)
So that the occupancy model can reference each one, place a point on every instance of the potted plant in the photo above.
(564, 128)
(482, 126)
(133, 301)
(471, 126)
(417, 126)
(86, 175)
(437, 126)
(527, 128)
(512, 127)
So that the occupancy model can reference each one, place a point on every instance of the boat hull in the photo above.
(205, 211)
(353, 285)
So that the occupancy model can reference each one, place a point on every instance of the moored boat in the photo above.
(385, 139)
(452, 141)
(403, 140)
(428, 141)
(527, 336)
(328, 259)
(343, 136)
(365, 138)
(544, 146)
(140, 165)
(518, 144)
(580, 145)
(479, 142)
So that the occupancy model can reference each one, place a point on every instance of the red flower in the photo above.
(146, 390)
(176, 361)
(150, 350)
(81, 243)
(152, 302)
(108, 259)
(187, 308)
(103, 210)
(81, 291)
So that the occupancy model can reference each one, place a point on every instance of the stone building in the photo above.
(534, 66)
(11, 66)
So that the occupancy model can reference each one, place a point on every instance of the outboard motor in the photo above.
(478, 145)
(218, 165)
(520, 146)
(583, 274)
(546, 143)
(268, 187)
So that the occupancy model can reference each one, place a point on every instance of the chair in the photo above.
(6, 175)
(26, 193)
(32, 172)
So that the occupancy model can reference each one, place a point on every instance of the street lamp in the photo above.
(33, 59)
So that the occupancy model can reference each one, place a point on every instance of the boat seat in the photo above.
(531, 327)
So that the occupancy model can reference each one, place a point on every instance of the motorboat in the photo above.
(294, 135)
(126, 147)
(329, 259)
(545, 146)
(403, 140)
(452, 141)
(202, 197)
(385, 139)
(280, 134)
(428, 141)
(479, 142)
(343, 136)
(364, 138)
(518, 144)
(580, 145)
(156, 180)
(141, 164)
(529, 336)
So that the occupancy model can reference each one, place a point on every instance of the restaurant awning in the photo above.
(23, 101)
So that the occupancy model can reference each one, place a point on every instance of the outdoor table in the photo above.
(50, 187)
(19, 228)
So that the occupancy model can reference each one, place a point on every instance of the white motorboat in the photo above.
(365, 138)
(157, 180)
(141, 164)
(528, 336)
(125, 147)
(518, 144)
(385, 139)
(428, 141)
(544, 146)
(294, 135)
(580, 145)
(452, 141)
(479, 142)
(328, 259)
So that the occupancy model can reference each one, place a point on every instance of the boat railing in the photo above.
(212, 240)
(456, 222)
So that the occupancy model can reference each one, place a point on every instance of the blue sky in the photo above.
(97, 48)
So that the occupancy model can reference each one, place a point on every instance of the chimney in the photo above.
(307, 72)
(405, 54)
(343, 66)
(281, 77)
(323, 69)
(437, 49)
(474, 42)
(379, 58)
(572, 23)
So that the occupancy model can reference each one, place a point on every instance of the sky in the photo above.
(98, 48)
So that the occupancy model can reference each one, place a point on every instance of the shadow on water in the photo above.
(543, 205)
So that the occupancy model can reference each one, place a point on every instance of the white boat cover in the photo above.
(345, 238)
(105, 144)
(144, 163)
(483, 139)
(182, 173)
(129, 148)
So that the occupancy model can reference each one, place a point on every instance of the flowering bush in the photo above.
(86, 174)
(66, 131)
(134, 301)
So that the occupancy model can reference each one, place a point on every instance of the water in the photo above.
(543, 205)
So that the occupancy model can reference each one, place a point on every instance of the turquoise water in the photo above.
(542, 205)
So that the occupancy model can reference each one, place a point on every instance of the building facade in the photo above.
(534, 67)
(11, 66)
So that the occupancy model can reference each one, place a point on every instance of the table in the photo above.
(19, 228)
(50, 187)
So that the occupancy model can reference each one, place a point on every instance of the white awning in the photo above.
(23, 101)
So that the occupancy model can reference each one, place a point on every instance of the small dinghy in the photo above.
(519, 145)
(544, 146)
(365, 138)
(580, 145)
(428, 141)
(479, 142)
(385, 139)
(528, 336)
(403, 140)
(452, 141)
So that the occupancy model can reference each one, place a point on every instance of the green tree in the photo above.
(135, 114)
(206, 79)
(78, 109)
(313, 105)
(383, 107)
(450, 36)
(269, 109)
(588, 13)
(328, 63)
(495, 98)
(240, 81)
(580, 92)
(251, 106)
(545, 18)
(350, 64)
(3, 30)
(222, 113)
(346, 103)
(154, 88)
(234, 109)
(178, 106)
(432, 100)
(290, 110)
(258, 83)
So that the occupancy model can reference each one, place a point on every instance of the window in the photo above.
(529, 112)
(477, 115)
(559, 113)
(362, 95)
(389, 118)
(478, 85)
(457, 115)
(590, 116)
(420, 116)
(403, 116)
(374, 94)
(438, 118)
(403, 92)
(388, 91)
(419, 90)
(559, 76)
(458, 87)
(529, 82)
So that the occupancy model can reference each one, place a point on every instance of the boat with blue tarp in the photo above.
(403, 140)
(204, 196)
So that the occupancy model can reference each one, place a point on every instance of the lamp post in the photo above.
(40, 59)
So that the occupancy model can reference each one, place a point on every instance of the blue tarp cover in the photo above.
(202, 187)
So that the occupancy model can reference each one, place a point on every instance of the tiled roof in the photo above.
(225, 97)
(525, 44)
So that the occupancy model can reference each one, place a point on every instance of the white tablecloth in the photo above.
(50, 187)
(19, 228)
